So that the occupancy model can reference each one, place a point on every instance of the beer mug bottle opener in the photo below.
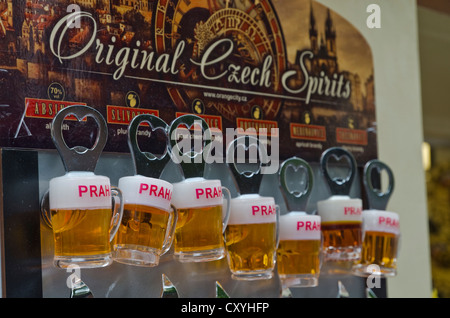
(299, 250)
(251, 237)
(341, 215)
(381, 228)
(147, 228)
(83, 209)
(199, 201)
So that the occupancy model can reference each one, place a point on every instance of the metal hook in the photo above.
(79, 158)
(296, 200)
(146, 163)
(338, 186)
(247, 181)
(191, 162)
(377, 199)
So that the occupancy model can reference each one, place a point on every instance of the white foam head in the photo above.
(251, 209)
(146, 191)
(381, 221)
(340, 208)
(80, 190)
(196, 193)
(299, 226)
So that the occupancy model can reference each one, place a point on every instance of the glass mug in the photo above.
(148, 224)
(201, 221)
(83, 220)
(341, 225)
(381, 236)
(251, 237)
(299, 251)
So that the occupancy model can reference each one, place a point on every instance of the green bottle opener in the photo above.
(376, 198)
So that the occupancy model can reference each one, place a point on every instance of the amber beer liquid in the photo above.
(341, 228)
(201, 220)
(381, 234)
(298, 253)
(81, 217)
(251, 237)
(146, 230)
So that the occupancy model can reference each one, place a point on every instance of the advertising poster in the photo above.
(291, 70)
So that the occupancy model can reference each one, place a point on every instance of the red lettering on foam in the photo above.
(143, 187)
(308, 226)
(101, 192)
(209, 193)
(168, 195)
(161, 192)
(263, 210)
(352, 210)
(93, 190)
(199, 192)
(153, 189)
(388, 221)
(82, 189)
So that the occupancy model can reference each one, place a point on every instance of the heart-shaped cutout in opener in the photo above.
(189, 139)
(79, 158)
(296, 183)
(154, 139)
(342, 168)
(248, 152)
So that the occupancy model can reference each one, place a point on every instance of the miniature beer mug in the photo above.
(341, 215)
(381, 229)
(199, 202)
(298, 254)
(81, 213)
(299, 250)
(251, 236)
(148, 223)
(200, 225)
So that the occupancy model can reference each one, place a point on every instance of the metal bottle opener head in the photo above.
(79, 158)
(377, 199)
(247, 181)
(146, 163)
(296, 200)
(338, 185)
(191, 160)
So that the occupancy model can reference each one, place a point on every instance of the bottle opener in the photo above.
(146, 163)
(77, 158)
(338, 186)
(376, 198)
(191, 161)
(296, 200)
(247, 181)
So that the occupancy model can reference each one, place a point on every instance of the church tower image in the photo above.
(323, 46)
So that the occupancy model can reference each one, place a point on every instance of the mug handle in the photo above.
(45, 209)
(117, 214)
(277, 232)
(226, 217)
(173, 218)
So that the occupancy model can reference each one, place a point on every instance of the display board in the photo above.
(293, 71)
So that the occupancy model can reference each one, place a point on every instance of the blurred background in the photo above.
(434, 52)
